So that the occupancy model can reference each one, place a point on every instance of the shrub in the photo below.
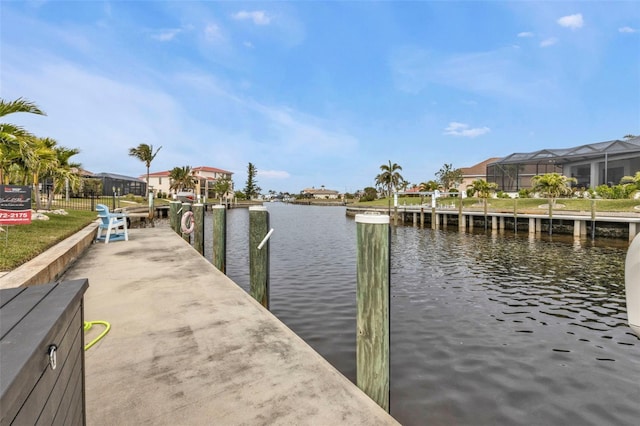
(615, 192)
(524, 193)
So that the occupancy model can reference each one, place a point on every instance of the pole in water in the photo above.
(219, 221)
(515, 215)
(198, 233)
(593, 219)
(550, 217)
(259, 257)
(174, 215)
(373, 308)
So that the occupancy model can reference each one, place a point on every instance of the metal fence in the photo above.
(86, 201)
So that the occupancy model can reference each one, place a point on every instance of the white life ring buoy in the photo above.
(187, 216)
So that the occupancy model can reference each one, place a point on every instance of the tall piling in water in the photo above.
(198, 228)
(259, 256)
(175, 214)
(219, 225)
(373, 316)
(151, 207)
(460, 216)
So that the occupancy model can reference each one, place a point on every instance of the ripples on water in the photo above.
(485, 328)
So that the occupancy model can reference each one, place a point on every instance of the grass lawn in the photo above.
(21, 243)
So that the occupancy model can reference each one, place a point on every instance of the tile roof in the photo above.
(211, 170)
(479, 169)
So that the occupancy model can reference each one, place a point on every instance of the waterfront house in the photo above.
(205, 178)
(475, 172)
(591, 164)
(320, 194)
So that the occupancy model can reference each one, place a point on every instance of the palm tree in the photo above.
(431, 185)
(65, 173)
(16, 142)
(181, 179)
(484, 190)
(552, 185)
(390, 178)
(44, 160)
(144, 153)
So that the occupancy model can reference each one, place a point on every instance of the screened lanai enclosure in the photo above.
(591, 165)
(114, 184)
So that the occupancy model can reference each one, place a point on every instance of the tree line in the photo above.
(27, 159)
(549, 185)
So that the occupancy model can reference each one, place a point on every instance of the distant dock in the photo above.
(578, 224)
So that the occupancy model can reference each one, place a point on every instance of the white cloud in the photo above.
(259, 17)
(273, 174)
(248, 44)
(525, 34)
(461, 129)
(166, 35)
(548, 42)
(571, 21)
(213, 33)
(628, 30)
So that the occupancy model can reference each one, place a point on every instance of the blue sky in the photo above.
(321, 93)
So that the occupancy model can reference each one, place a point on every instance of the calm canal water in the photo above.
(485, 328)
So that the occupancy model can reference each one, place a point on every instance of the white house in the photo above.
(321, 194)
(205, 177)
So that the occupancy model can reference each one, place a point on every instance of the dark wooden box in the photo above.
(34, 321)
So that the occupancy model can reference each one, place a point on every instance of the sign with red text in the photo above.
(15, 205)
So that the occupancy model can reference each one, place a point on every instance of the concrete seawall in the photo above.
(189, 346)
(49, 265)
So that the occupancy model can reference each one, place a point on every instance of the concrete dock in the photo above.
(189, 347)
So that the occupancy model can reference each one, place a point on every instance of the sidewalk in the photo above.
(189, 347)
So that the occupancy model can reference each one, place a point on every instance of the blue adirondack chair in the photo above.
(114, 225)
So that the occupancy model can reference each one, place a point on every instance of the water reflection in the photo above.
(487, 328)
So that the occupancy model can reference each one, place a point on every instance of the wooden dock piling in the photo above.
(460, 216)
(198, 228)
(219, 220)
(151, 206)
(259, 258)
(186, 207)
(433, 218)
(174, 215)
(373, 316)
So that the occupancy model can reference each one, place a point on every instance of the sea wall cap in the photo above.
(372, 218)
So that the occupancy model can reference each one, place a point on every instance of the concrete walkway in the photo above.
(190, 347)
